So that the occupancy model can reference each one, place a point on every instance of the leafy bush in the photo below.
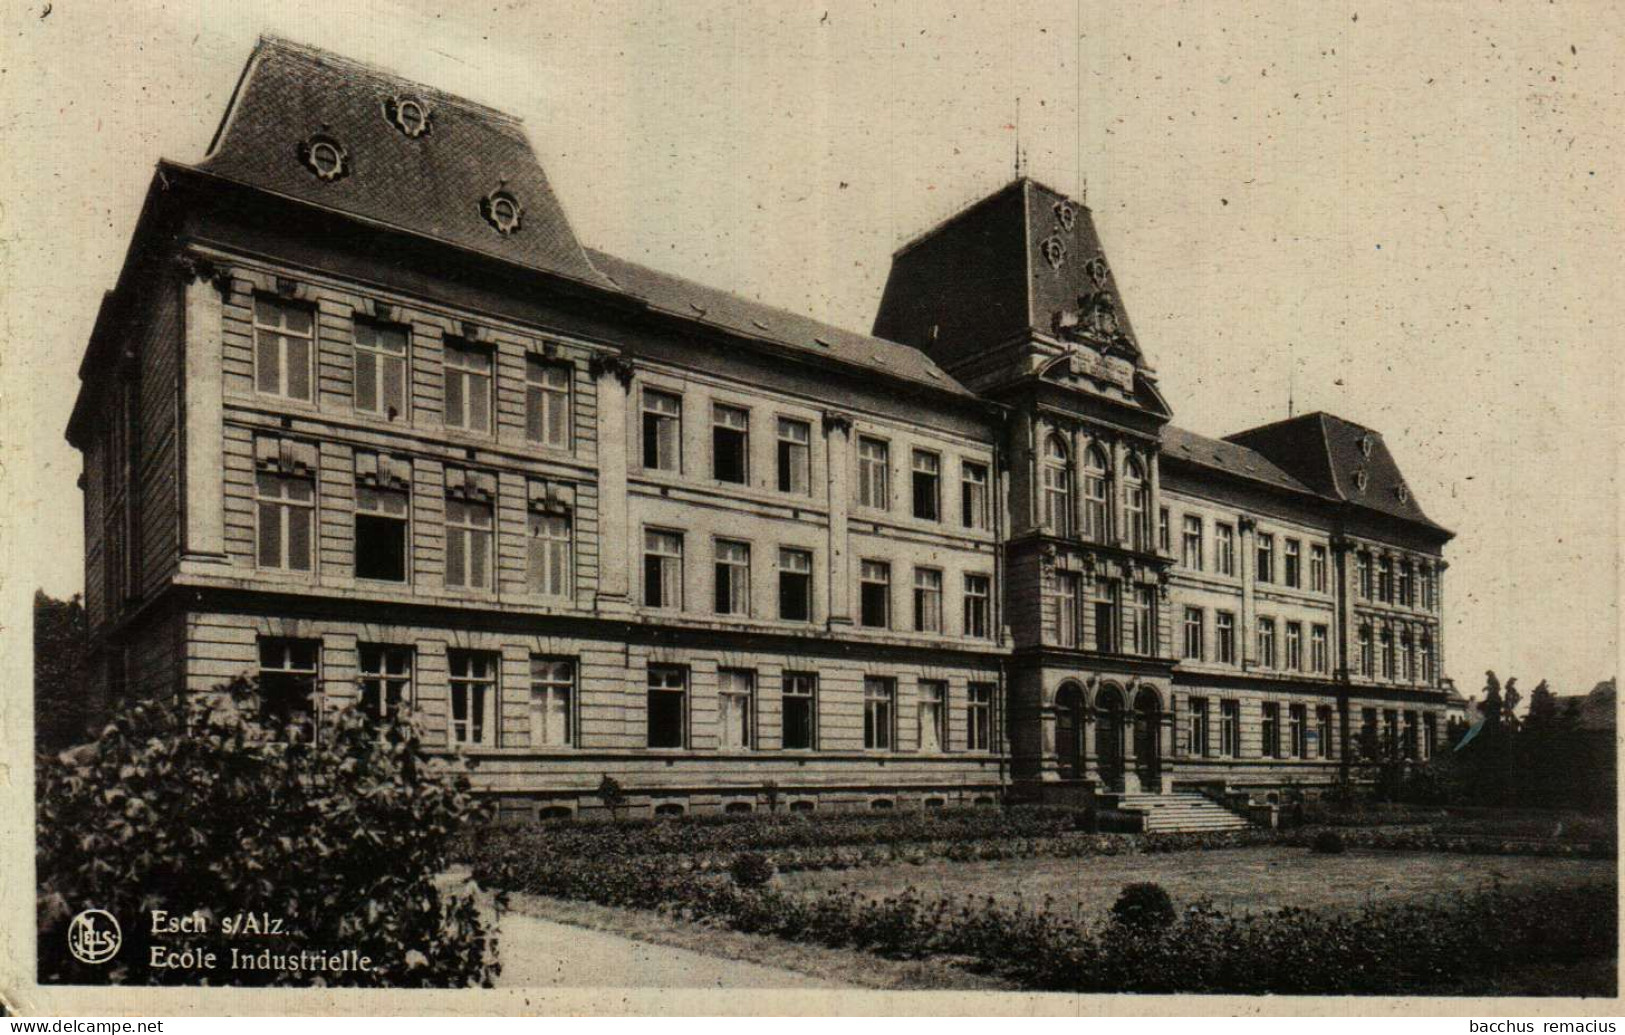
(751, 869)
(1144, 905)
(344, 841)
(1327, 842)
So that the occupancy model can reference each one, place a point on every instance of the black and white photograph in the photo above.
(726, 508)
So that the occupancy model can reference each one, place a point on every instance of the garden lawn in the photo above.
(1237, 880)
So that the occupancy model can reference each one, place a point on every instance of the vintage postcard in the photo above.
(810, 508)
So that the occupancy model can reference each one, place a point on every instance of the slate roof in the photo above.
(722, 310)
(1329, 454)
(1221, 455)
(431, 185)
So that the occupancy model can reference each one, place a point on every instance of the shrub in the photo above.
(343, 840)
(1327, 842)
(751, 869)
(1144, 905)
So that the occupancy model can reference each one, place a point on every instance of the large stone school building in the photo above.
(364, 419)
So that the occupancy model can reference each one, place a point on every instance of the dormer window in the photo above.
(1366, 445)
(1361, 480)
(502, 211)
(325, 157)
(410, 115)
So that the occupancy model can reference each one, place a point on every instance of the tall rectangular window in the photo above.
(736, 694)
(933, 715)
(552, 700)
(550, 556)
(1164, 535)
(1224, 549)
(1292, 567)
(1390, 733)
(732, 577)
(973, 495)
(1265, 571)
(1198, 742)
(879, 704)
(1145, 620)
(1108, 616)
(381, 369)
(1369, 744)
(286, 503)
(1430, 734)
(795, 456)
(979, 717)
(384, 675)
(1068, 590)
(382, 519)
(289, 678)
(978, 606)
(1427, 588)
(874, 473)
(1426, 650)
(468, 386)
(1193, 634)
(875, 593)
(1319, 649)
(1323, 731)
(1406, 597)
(468, 543)
(1271, 729)
(1298, 725)
(473, 678)
(1385, 580)
(800, 711)
(1224, 636)
(795, 585)
(927, 600)
(547, 402)
(1294, 646)
(284, 348)
(663, 569)
(730, 444)
(1407, 648)
(1387, 654)
(1191, 543)
(927, 486)
(1367, 655)
(1230, 728)
(1317, 568)
(667, 706)
(1266, 642)
(662, 431)
(1362, 575)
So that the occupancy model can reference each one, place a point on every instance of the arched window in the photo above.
(1135, 500)
(1095, 478)
(1057, 487)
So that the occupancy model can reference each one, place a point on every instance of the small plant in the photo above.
(1327, 842)
(1144, 906)
(752, 869)
(610, 793)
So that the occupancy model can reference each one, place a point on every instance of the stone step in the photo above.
(1181, 812)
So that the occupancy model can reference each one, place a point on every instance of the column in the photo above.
(1247, 649)
(838, 476)
(202, 489)
(612, 376)
(1080, 442)
(1119, 457)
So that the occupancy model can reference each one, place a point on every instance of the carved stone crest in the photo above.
(1053, 249)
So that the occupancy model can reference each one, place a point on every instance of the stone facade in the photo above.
(587, 519)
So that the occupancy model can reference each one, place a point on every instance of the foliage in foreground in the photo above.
(341, 840)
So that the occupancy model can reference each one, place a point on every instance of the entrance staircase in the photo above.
(1181, 812)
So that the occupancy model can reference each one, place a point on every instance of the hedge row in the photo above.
(1392, 949)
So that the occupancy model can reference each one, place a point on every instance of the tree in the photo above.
(610, 793)
(61, 645)
(1542, 709)
(344, 840)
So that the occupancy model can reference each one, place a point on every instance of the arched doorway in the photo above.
(1109, 736)
(1069, 731)
(1148, 738)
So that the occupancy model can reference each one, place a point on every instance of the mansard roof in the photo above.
(1025, 260)
(719, 309)
(436, 183)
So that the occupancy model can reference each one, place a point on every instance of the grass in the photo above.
(850, 967)
(1236, 880)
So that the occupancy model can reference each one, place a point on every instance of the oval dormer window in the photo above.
(325, 157)
(502, 211)
(1361, 480)
(410, 115)
(1403, 493)
(1366, 445)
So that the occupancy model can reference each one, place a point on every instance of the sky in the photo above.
(1406, 214)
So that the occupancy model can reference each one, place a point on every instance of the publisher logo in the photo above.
(94, 937)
